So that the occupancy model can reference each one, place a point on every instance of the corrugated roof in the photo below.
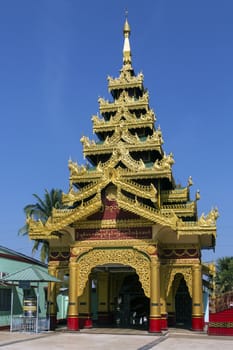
(31, 273)
(13, 254)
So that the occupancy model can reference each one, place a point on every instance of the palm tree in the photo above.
(224, 274)
(42, 210)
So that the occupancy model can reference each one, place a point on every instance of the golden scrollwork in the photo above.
(147, 249)
(129, 257)
(62, 218)
(210, 219)
(125, 80)
(172, 271)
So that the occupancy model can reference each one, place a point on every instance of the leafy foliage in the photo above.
(42, 210)
(224, 274)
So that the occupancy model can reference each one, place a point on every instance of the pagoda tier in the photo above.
(125, 81)
(134, 121)
(127, 160)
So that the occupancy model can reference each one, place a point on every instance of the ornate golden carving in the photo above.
(62, 218)
(151, 249)
(170, 219)
(124, 100)
(210, 219)
(165, 163)
(126, 80)
(129, 257)
(126, 118)
(176, 195)
(184, 210)
(170, 273)
(79, 250)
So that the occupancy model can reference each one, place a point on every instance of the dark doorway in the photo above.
(122, 302)
(134, 305)
(183, 305)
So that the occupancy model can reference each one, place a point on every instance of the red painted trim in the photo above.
(155, 325)
(164, 325)
(73, 323)
(88, 323)
(220, 331)
(197, 323)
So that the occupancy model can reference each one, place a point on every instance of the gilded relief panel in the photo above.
(170, 273)
(130, 257)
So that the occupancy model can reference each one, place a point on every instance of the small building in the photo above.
(129, 238)
(24, 294)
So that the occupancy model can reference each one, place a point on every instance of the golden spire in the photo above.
(126, 48)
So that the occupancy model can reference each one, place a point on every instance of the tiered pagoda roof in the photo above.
(127, 155)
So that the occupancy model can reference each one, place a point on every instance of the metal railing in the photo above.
(29, 324)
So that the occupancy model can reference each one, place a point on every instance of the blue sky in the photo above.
(55, 58)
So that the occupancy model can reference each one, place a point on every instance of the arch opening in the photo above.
(117, 298)
(183, 302)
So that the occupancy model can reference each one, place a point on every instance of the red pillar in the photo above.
(154, 324)
(197, 323)
(72, 323)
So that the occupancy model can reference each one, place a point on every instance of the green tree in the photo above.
(224, 274)
(42, 210)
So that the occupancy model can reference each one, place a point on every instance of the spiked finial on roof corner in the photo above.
(126, 48)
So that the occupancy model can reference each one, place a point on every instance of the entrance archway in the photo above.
(183, 304)
(128, 257)
(105, 277)
(117, 298)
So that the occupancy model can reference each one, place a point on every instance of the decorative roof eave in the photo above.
(147, 212)
(206, 237)
(83, 173)
(146, 173)
(61, 219)
(196, 230)
(125, 81)
(87, 191)
(106, 126)
(162, 167)
(108, 149)
(205, 227)
(123, 138)
(130, 103)
(148, 192)
(113, 176)
(184, 210)
(91, 176)
(129, 118)
(178, 194)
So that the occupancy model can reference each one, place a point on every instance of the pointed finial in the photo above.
(190, 181)
(198, 196)
(126, 48)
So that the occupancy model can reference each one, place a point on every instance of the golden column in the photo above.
(155, 314)
(197, 302)
(163, 303)
(52, 297)
(72, 318)
(103, 298)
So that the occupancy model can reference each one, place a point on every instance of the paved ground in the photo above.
(106, 339)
